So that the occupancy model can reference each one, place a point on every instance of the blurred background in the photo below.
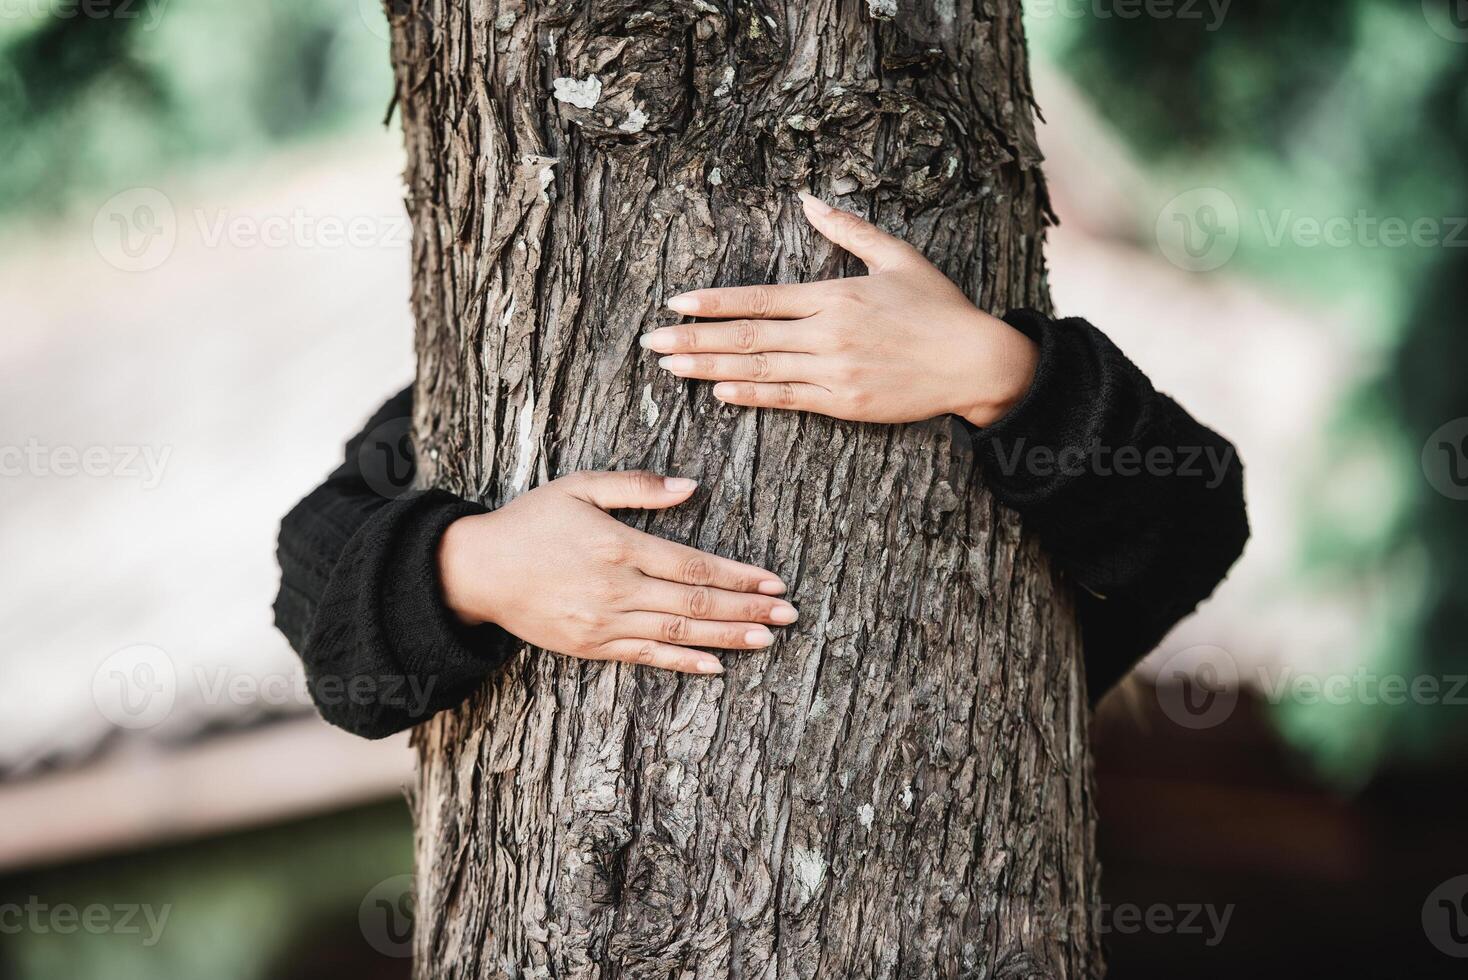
(204, 266)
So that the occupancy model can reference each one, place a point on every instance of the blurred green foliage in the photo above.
(98, 93)
(1333, 108)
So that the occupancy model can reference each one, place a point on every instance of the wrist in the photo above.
(461, 570)
(1003, 374)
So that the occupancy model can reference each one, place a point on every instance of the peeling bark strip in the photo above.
(900, 787)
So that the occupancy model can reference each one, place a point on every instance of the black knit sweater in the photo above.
(1138, 504)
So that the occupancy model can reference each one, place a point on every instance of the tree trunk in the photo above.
(900, 787)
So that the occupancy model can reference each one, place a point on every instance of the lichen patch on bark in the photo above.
(580, 92)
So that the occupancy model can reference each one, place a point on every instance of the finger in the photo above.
(679, 563)
(777, 366)
(765, 302)
(627, 488)
(728, 337)
(792, 396)
(673, 628)
(664, 656)
(706, 602)
(879, 250)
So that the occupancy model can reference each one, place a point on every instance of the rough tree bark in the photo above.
(900, 787)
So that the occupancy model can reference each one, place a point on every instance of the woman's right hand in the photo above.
(555, 569)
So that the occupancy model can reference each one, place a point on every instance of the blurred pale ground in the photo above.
(247, 367)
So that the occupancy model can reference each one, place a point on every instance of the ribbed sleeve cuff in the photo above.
(1081, 382)
(1039, 421)
(426, 637)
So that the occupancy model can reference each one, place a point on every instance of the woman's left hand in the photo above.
(900, 344)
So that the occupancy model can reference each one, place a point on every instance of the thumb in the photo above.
(879, 250)
(628, 488)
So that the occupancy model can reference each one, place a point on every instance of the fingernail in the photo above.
(675, 363)
(784, 613)
(683, 303)
(659, 339)
(814, 203)
(679, 484)
(759, 638)
(772, 587)
(724, 391)
(710, 667)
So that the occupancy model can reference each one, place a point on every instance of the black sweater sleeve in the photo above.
(1138, 504)
(360, 598)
